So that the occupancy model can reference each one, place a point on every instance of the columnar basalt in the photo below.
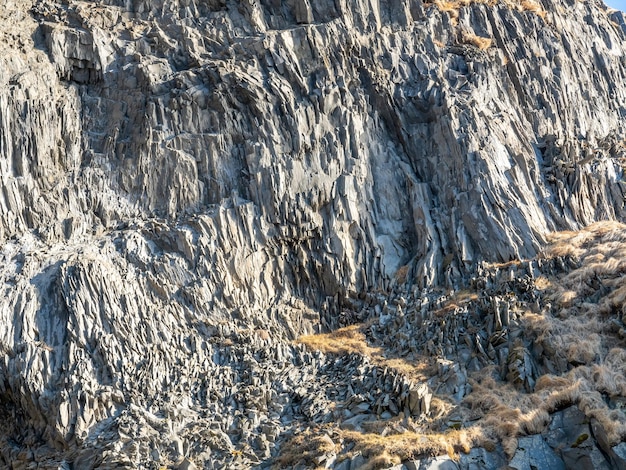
(189, 186)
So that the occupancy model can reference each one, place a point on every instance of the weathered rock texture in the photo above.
(187, 185)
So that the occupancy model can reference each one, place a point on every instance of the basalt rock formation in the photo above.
(189, 186)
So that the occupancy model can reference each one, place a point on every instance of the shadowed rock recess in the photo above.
(300, 234)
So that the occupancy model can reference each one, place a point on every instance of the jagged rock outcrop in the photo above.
(189, 185)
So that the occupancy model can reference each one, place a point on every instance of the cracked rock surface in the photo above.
(188, 186)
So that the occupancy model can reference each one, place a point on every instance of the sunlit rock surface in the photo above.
(188, 186)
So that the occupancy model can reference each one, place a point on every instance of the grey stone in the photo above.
(343, 465)
(438, 463)
(481, 459)
(569, 427)
(357, 462)
(187, 464)
(412, 464)
(584, 458)
(355, 422)
(534, 452)
(619, 455)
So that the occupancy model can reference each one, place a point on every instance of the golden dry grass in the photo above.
(480, 42)
(381, 449)
(449, 5)
(452, 7)
(600, 250)
(579, 333)
(574, 243)
(565, 298)
(508, 413)
(549, 381)
(457, 300)
(505, 264)
(455, 5)
(542, 283)
(351, 340)
(401, 274)
(305, 447)
(410, 445)
(533, 7)
(347, 340)
(576, 330)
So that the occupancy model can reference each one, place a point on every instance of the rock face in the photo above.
(189, 185)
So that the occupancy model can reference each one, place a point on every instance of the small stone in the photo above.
(620, 450)
(480, 459)
(177, 445)
(412, 464)
(439, 463)
(343, 465)
(187, 464)
(357, 462)
(355, 422)
(532, 451)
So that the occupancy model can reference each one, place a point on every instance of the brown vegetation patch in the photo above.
(508, 413)
(306, 447)
(480, 42)
(402, 274)
(352, 340)
(384, 448)
(578, 327)
(452, 7)
(533, 6)
(457, 300)
(393, 449)
(581, 329)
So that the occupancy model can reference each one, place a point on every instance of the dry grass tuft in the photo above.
(550, 381)
(457, 300)
(585, 350)
(452, 7)
(411, 445)
(480, 42)
(534, 422)
(578, 326)
(504, 264)
(449, 7)
(440, 407)
(402, 274)
(352, 340)
(566, 244)
(570, 243)
(305, 448)
(508, 413)
(578, 334)
(559, 398)
(542, 283)
(533, 7)
(381, 449)
(566, 298)
(347, 340)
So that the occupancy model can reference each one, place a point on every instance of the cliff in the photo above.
(188, 186)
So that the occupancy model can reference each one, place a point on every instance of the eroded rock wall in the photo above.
(177, 173)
